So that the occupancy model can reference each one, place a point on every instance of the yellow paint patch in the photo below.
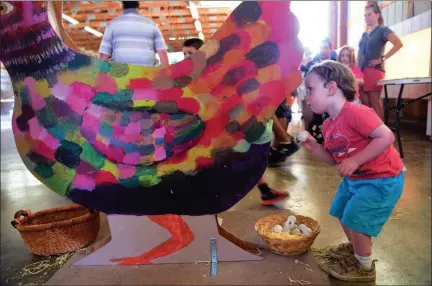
(187, 92)
(42, 88)
(144, 103)
(67, 77)
(110, 167)
(186, 166)
(135, 72)
(210, 48)
(87, 76)
(268, 74)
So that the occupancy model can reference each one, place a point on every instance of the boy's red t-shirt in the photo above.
(348, 134)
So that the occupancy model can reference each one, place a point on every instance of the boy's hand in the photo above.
(347, 167)
(306, 140)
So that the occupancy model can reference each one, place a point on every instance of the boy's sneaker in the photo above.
(341, 251)
(272, 197)
(349, 269)
(282, 151)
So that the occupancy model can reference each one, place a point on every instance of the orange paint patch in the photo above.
(258, 32)
(181, 237)
(269, 73)
(233, 56)
(224, 140)
(227, 29)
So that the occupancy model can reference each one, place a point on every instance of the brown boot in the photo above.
(341, 251)
(349, 269)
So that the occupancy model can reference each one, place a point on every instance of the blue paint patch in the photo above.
(106, 130)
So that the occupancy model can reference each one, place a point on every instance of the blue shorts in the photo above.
(366, 205)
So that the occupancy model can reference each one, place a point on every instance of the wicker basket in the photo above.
(284, 243)
(57, 230)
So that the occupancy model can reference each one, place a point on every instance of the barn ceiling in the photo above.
(85, 21)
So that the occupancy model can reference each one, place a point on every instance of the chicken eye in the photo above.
(5, 8)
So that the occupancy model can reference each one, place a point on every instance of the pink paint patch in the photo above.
(49, 140)
(105, 83)
(60, 91)
(118, 131)
(126, 171)
(145, 94)
(77, 104)
(131, 159)
(159, 133)
(134, 129)
(83, 182)
(37, 102)
(115, 154)
(35, 128)
(81, 90)
(160, 153)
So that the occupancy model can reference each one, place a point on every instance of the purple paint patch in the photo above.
(136, 116)
(83, 182)
(86, 169)
(60, 91)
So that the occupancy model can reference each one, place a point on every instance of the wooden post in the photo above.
(333, 23)
(343, 23)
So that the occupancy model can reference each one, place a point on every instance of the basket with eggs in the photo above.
(288, 235)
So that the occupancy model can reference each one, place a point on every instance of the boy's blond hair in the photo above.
(337, 72)
(351, 55)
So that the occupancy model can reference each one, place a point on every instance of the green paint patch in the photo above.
(44, 171)
(63, 177)
(130, 182)
(91, 156)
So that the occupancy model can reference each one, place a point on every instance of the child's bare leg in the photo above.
(347, 232)
(362, 244)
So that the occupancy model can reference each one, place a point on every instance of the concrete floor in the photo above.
(403, 248)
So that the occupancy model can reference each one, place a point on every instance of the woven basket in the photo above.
(57, 230)
(284, 243)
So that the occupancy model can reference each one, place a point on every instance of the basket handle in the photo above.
(18, 215)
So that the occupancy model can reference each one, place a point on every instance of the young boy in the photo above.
(357, 141)
(269, 196)
(190, 46)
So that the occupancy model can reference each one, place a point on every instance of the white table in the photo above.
(400, 104)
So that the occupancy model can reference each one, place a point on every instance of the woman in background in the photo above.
(371, 56)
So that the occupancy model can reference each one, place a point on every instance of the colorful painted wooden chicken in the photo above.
(190, 139)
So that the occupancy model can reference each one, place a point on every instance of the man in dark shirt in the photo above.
(326, 53)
